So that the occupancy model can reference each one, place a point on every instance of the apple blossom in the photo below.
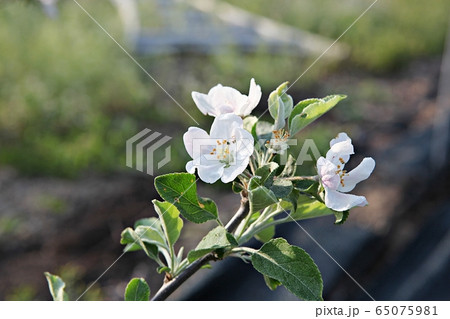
(337, 181)
(224, 99)
(224, 153)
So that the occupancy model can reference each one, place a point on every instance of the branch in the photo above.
(168, 288)
(300, 178)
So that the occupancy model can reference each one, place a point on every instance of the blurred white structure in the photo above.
(207, 26)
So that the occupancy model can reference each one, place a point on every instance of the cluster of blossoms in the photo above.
(225, 152)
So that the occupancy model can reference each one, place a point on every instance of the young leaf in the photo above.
(260, 198)
(308, 111)
(310, 208)
(289, 168)
(281, 188)
(266, 234)
(134, 241)
(180, 190)
(216, 239)
(137, 290)
(266, 173)
(271, 283)
(262, 130)
(341, 217)
(291, 266)
(280, 105)
(56, 286)
(171, 223)
(249, 122)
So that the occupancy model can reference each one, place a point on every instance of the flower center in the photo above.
(341, 172)
(278, 141)
(225, 151)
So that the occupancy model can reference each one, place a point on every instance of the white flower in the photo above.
(224, 99)
(279, 142)
(224, 153)
(336, 181)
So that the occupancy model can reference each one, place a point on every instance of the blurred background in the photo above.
(70, 98)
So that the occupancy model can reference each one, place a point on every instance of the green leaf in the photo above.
(291, 266)
(249, 122)
(289, 168)
(260, 198)
(281, 188)
(341, 217)
(171, 223)
(133, 241)
(271, 283)
(237, 187)
(308, 111)
(310, 208)
(280, 105)
(180, 190)
(262, 130)
(267, 173)
(151, 221)
(216, 239)
(137, 290)
(56, 286)
(266, 234)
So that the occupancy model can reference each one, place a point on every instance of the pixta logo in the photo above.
(144, 145)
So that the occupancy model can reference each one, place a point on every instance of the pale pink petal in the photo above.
(341, 201)
(358, 174)
(327, 173)
(189, 137)
(340, 152)
(341, 137)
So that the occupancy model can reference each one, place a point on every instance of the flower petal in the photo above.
(342, 202)
(190, 167)
(341, 137)
(210, 174)
(189, 137)
(245, 143)
(224, 124)
(254, 96)
(203, 103)
(340, 152)
(231, 172)
(358, 174)
(327, 173)
(226, 99)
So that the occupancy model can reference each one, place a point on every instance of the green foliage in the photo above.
(271, 283)
(170, 221)
(56, 286)
(180, 190)
(291, 266)
(266, 234)
(261, 197)
(306, 112)
(216, 240)
(137, 290)
(63, 91)
(280, 105)
(389, 35)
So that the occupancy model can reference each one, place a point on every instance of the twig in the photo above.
(168, 288)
